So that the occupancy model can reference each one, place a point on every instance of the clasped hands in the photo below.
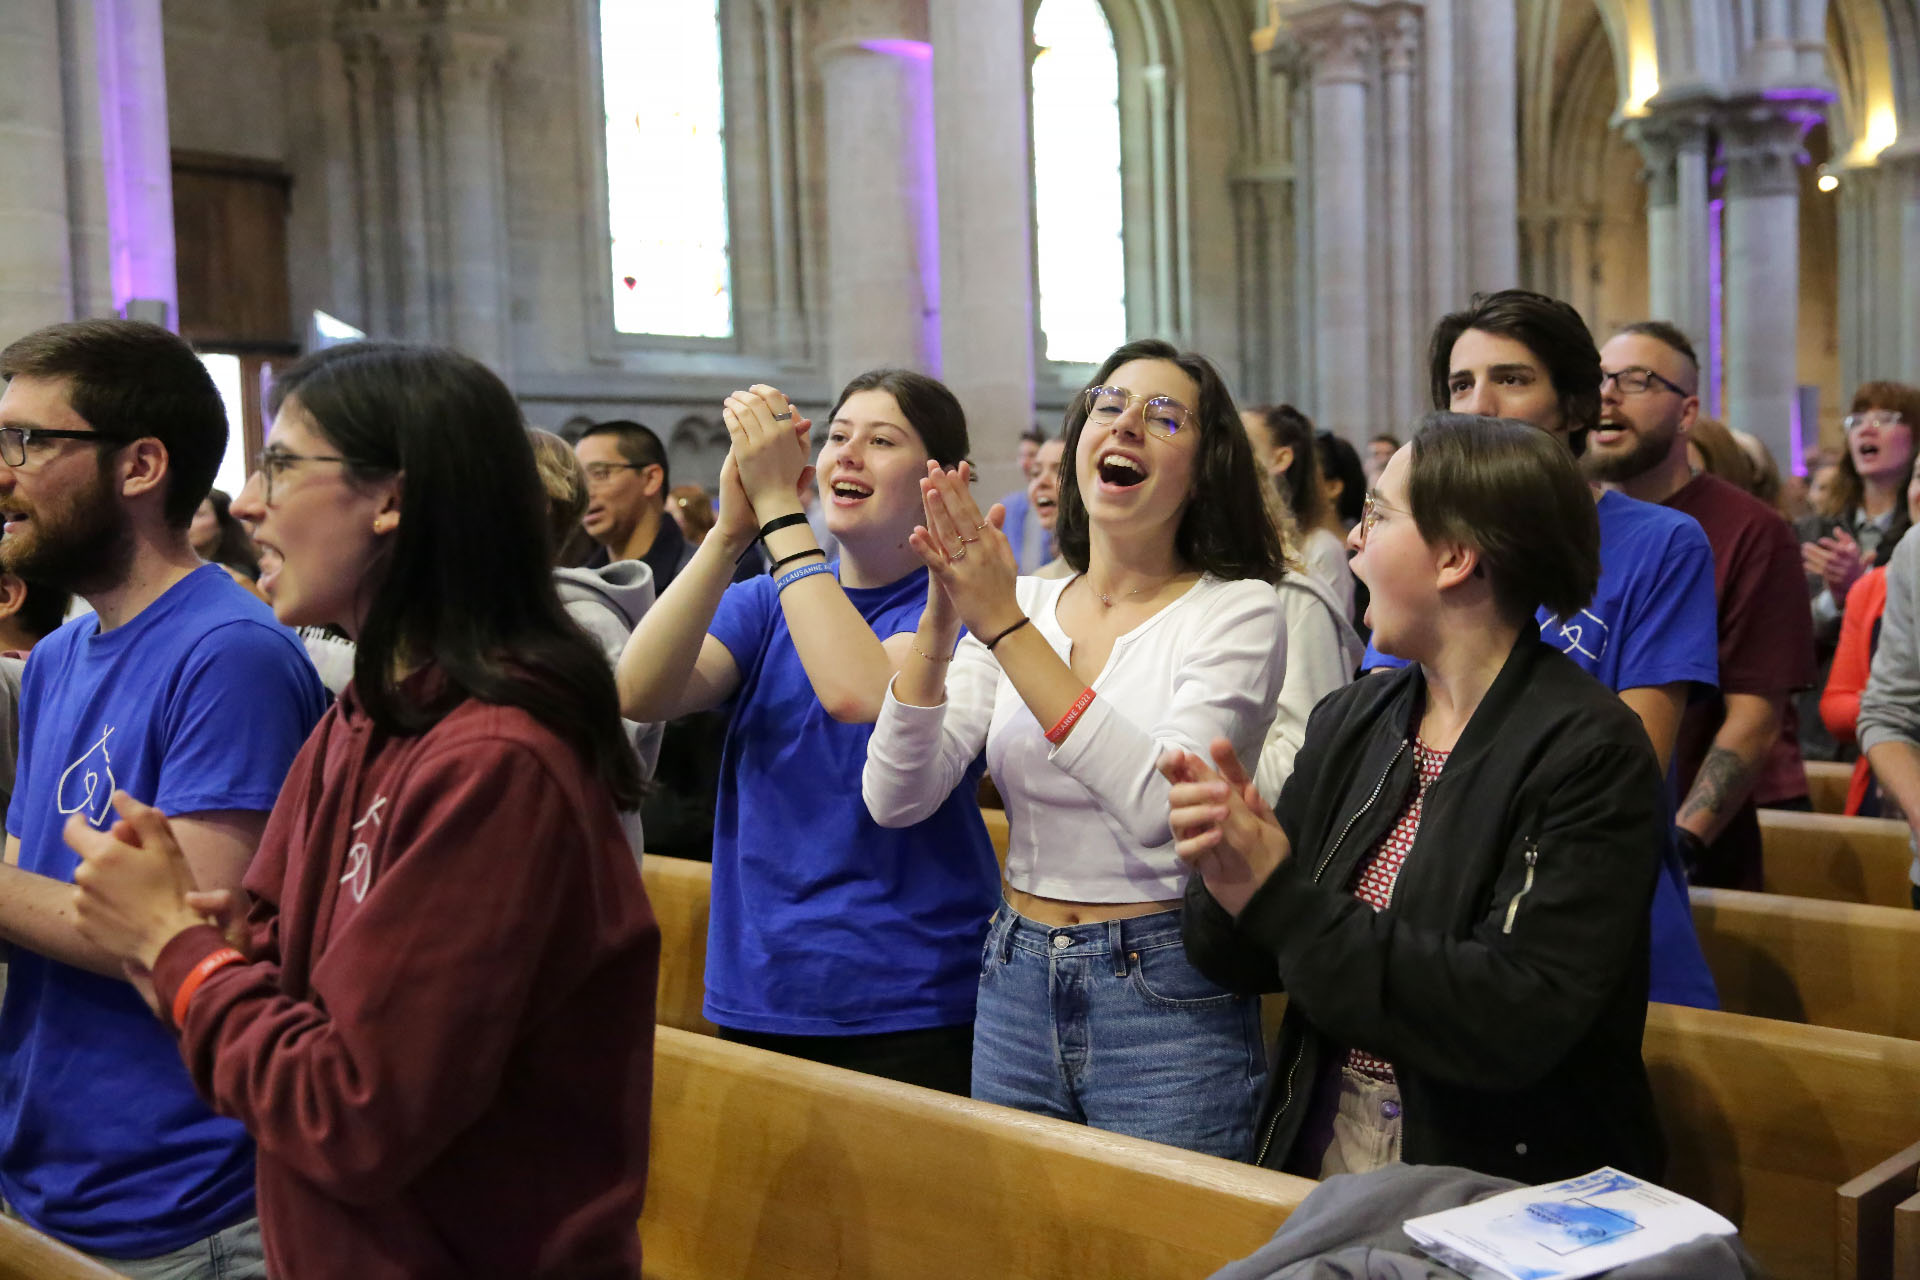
(1836, 560)
(1222, 829)
(133, 891)
(766, 468)
(967, 556)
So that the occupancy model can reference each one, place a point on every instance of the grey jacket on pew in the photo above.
(1890, 704)
(1349, 1229)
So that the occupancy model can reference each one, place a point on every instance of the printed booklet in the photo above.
(1565, 1230)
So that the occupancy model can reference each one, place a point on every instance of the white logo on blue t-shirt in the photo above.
(1584, 634)
(92, 792)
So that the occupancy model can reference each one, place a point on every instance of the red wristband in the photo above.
(1058, 734)
(198, 974)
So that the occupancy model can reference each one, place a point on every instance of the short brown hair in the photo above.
(134, 381)
(1721, 452)
(1895, 397)
(1516, 496)
(1551, 329)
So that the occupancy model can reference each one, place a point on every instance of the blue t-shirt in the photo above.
(1653, 621)
(823, 922)
(198, 703)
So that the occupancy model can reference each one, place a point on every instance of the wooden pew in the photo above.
(1867, 1206)
(680, 890)
(1766, 1120)
(763, 1165)
(1832, 964)
(1818, 855)
(25, 1254)
(1827, 783)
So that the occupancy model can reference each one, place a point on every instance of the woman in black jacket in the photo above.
(1455, 891)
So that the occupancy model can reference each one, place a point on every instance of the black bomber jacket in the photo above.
(1507, 980)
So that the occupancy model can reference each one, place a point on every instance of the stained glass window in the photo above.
(227, 379)
(1077, 196)
(666, 167)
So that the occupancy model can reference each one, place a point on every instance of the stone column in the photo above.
(883, 252)
(137, 163)
(404, 52)
(1407, 314)
(1493, 182)
(1902, 173)
(981, 124)
(1339, 41)
(1761, 144)
(1444, 149)
(470, 70)
(1679, 243)
(789, 317)
(34, 285)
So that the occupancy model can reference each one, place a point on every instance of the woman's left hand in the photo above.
(966, 552)
(130, 889)
(1221, 826)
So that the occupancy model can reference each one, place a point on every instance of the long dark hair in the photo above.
(235, 549)
(464, 582)
(1341, 461)
(1306, 493)
(1224, 530)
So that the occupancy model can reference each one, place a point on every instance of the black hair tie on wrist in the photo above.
(782, 522)
(798, 555)
(1009, 631)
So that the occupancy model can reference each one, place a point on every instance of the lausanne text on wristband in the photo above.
(805, 571)
(198, 974)
(782, 522)
(1058, 734)
(1009, 631)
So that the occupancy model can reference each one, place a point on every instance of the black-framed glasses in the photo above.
(1872, 418)
(14, 441)
(272, 463)
(1635, 382)
(1165, 417)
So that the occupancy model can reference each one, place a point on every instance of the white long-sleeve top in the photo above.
(1323, 651)
(1089, 818)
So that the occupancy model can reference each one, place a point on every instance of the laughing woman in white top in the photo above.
(1168, 632)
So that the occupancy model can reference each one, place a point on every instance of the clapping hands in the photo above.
(1221, 827)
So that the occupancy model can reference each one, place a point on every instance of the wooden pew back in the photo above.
(680, 891)
(25, 1254)
(1832, 964)
(1818, 855)
(763, 1165)
(1765, 1120)
(1827, 783)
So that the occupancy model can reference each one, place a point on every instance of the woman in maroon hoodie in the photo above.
(437, 1021)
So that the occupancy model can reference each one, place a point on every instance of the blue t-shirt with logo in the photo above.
(824, 922)
(1653, 621)
(198, 703)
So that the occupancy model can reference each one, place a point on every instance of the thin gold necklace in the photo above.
(1107, 600)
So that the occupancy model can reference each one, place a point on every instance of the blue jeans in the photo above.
(231, 1254)
(1108, 1025)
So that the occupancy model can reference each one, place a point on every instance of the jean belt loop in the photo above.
(1009, 920)
(1117, 948)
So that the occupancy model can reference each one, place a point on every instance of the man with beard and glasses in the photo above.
(179, 689)
(1731, 754)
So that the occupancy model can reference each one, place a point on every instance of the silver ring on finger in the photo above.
(965, 538)
(976, 529)
(957, 556)
(783, 417)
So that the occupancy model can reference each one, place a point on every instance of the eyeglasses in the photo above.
(274, 463)
(1634, 382)
(1370, 515)
(1165, 417)
(1872, 418)
(14, 441)
(601, 472)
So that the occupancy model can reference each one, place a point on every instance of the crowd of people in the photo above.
(329, 949)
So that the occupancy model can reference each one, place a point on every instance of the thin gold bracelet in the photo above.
(930, 658)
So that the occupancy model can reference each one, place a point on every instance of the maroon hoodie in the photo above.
(443, 1043)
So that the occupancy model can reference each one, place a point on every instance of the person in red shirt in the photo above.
(437, 1021)
(1731, 755)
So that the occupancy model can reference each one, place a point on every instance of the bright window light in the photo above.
(666, 167)
(225, 369)
(1076, 166)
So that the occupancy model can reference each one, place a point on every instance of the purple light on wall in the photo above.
(918, 50)
(1716, 291)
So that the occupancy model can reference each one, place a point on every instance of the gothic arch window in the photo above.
(1078, 195)
(670, 252)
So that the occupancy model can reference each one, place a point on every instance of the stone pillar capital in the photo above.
(1337, 39)
(1400, 28)
(1662, 138)
(1761, 141)
(474, 57)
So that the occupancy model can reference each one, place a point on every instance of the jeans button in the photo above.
(1061, 942)
(1390, 1109)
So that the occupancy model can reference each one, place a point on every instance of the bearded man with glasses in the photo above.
(1737, 748)
(179, 689)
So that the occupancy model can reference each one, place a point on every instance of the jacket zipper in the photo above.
(1286, 1100)
(1513, 907)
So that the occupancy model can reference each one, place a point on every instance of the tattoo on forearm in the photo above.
(1722, 783)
